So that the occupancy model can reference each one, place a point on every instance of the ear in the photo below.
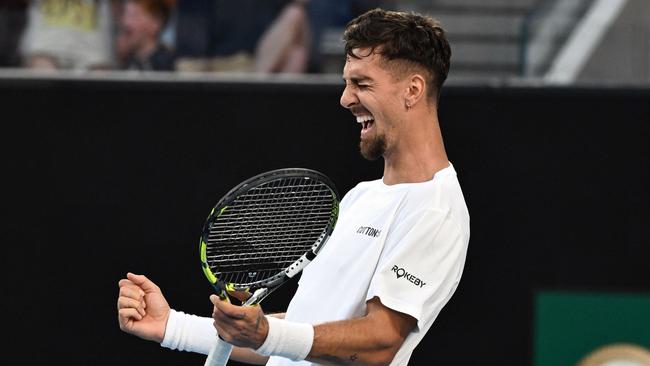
(415, 89)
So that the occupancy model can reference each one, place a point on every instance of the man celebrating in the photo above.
(400, 242)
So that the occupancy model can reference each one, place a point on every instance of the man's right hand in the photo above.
(142, 309)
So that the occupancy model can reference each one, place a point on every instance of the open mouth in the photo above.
(366, 121)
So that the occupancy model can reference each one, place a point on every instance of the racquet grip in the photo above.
(219, 353)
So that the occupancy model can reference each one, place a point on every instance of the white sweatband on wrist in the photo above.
(287, 339)
(191, 333)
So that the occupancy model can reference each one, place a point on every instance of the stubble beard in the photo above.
(373, 148)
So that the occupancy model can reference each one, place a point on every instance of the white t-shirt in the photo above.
(404, 243)
(78, 35)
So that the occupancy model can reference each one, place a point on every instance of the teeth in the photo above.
(361, 119)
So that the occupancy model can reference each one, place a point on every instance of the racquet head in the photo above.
(266, 230)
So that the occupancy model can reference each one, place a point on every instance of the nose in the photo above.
(348, 98)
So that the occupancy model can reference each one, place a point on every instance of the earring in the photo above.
(408, 106)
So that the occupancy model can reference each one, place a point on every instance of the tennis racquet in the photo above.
(262, 233)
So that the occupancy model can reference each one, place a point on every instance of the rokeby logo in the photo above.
(402, 273)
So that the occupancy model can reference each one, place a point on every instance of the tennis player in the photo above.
(398, 250)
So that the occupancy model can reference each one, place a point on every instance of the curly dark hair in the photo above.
(415, 38)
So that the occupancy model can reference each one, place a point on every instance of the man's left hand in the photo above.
(243, 326)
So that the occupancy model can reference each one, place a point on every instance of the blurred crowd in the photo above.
(266, 36)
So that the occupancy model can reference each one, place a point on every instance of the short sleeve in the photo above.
(421, 265)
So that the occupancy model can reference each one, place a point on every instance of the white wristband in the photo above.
(287, 339)
(191, 333)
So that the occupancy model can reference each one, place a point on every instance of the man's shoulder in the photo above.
(363, 186)
(366, 184)
(360, 189)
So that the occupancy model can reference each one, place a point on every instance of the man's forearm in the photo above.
(351, 342)
(370, 340)
(247, 355)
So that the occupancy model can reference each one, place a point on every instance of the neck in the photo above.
(419, 153)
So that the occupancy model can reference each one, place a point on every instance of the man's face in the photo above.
(138, 25)
(375, 96)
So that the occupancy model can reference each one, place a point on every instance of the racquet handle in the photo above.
(219, 353)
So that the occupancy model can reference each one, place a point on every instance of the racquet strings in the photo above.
(267, 228)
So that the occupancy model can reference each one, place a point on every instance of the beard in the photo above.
(373, 148)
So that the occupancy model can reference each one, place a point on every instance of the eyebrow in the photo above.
(357, 80)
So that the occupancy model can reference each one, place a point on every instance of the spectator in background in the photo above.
(69, 34)
(13, 17)
(267, 36)
(139, 43)
(284, 45)
(246, 35)
(324, 15)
